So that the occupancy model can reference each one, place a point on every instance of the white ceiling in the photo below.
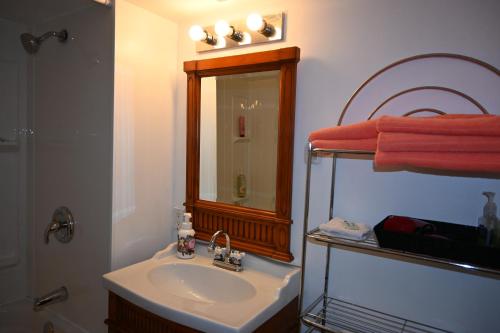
(179, 10)
(31, 12)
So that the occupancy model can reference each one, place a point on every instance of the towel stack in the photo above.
(339, 227)
(360, 136)
(464, 143)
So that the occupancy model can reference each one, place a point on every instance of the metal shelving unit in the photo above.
(328, 314)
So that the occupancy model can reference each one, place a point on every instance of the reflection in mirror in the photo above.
(238, 139)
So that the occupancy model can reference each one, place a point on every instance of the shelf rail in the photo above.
(370, 246)
(339, 316)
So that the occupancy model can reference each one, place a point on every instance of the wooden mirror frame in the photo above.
(254, 230)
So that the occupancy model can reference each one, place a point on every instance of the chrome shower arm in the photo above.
(62, 36)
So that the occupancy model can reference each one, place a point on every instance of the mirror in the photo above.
(239, 139)
(240, 121)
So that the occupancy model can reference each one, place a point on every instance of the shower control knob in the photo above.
(62, 225)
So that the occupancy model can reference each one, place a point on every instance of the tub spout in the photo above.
(54, 296)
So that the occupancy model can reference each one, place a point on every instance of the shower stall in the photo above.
(56, 125)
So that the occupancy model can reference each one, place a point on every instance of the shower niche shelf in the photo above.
(244, 139)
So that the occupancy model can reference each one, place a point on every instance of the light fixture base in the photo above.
(272, 31)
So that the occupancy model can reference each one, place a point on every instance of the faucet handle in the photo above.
(52, 227)
(62, 225)
(219, 253)
(235, 257)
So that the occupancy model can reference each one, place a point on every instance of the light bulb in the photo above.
(247, 39)
(255, 22)
(197, 33)
(222, 28)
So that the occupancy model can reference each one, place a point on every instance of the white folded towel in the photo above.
(339, 227)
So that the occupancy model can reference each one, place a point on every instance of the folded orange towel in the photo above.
(475, 125)
(355, 144)
(364, 130)
(411, 142)
(463, 162)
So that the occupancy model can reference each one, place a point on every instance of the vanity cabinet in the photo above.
(126, 317)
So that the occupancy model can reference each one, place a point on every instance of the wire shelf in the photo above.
(338, 316)
(371, 246)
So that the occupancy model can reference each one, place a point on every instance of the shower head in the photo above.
(31, 43)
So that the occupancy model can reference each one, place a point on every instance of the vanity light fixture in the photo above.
(223, 29)
(255, 22)
(198, 34)
(254, 29)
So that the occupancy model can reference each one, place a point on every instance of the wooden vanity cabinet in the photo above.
(126, 317)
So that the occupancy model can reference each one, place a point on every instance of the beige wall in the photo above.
(144, 129)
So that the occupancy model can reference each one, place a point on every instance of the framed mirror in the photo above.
(240, 126)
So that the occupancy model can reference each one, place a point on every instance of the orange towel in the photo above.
(364, 130)
(474, 125)
(354, 144)
(462, 162)
(410, 142)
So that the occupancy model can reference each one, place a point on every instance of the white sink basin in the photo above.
(197, 294)
(190, 282)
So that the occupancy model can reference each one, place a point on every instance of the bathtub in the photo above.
(19, 317)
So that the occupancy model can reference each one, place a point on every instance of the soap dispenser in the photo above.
(488, 223)
(185, 239)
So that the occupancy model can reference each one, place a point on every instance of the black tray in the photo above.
(462, 243)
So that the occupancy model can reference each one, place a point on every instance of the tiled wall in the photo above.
(13, 147)
(73, 122)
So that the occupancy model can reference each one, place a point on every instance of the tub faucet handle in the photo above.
(62, 226)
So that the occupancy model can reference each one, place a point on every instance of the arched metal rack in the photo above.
(328, 314)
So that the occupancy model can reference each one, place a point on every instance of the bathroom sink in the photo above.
(190, 282)
(194, 293)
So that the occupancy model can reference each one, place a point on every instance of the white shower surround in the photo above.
(19, 317)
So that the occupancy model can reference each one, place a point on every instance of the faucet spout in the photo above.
(212, 243)
(54, 296)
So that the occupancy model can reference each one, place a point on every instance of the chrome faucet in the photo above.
(225, 258)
